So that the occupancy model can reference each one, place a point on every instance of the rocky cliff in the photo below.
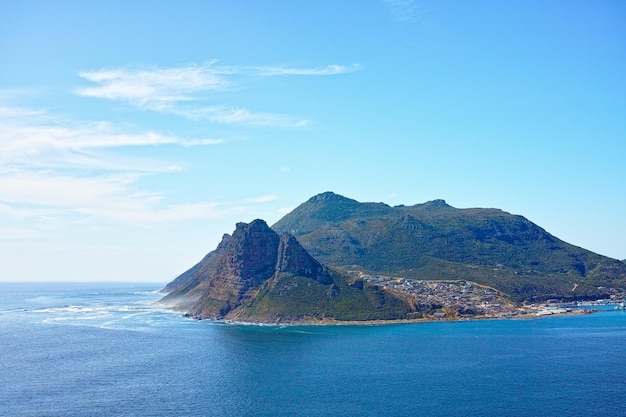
(258, 275)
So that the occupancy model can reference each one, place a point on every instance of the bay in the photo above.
(109, 350)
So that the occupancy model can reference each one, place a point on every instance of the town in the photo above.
(457, 299)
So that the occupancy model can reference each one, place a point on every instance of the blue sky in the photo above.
(135, 134)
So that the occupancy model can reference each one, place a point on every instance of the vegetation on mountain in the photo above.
(434, 241)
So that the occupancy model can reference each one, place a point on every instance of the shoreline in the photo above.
(331, 322)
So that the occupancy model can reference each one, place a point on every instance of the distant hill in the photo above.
(260, 276)
(434, 241)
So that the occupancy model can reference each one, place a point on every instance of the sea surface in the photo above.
(109, 350)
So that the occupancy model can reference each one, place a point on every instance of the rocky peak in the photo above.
(232, 274)
(435, 205)
(252, 252)
(293, 258)
(328, 196)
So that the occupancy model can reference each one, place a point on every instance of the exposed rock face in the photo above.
(232, 274)
(293, 258)
(251, 255)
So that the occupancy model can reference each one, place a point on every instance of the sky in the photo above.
(135, 134)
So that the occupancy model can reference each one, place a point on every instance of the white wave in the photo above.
(138, 316)
(155, 292)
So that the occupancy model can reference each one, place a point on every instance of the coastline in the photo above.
(332, 322)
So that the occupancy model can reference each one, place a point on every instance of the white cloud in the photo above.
(57, 171)
(147, 214)
(8, 113)
(402, 10)
(182, 90)
(37, 195)
(25, 139)
(32, 138)
(53, 173)
(262, 199)
(48, 189)
(18, 234)
(235, 115)
(200, 142)
(153, 87)
(316, 71)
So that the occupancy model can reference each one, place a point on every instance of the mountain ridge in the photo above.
(436, 241)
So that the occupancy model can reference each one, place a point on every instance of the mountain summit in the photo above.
(434, 241)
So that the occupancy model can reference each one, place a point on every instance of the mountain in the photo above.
(258, 275)
(334, 258)
(434, 241)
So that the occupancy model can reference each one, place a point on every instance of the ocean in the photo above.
(109, 350)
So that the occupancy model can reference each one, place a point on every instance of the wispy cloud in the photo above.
(114, 197)
(402, 10)
(257, 205)
(59, 170)
(262, 199)
(53, 170)
(153, 87)
(241, 116)
(184, 90)
(315, 71)
(30, 133)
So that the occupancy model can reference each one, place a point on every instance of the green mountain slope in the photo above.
(436, 241)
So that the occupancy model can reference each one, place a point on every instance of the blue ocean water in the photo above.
(108, 350)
